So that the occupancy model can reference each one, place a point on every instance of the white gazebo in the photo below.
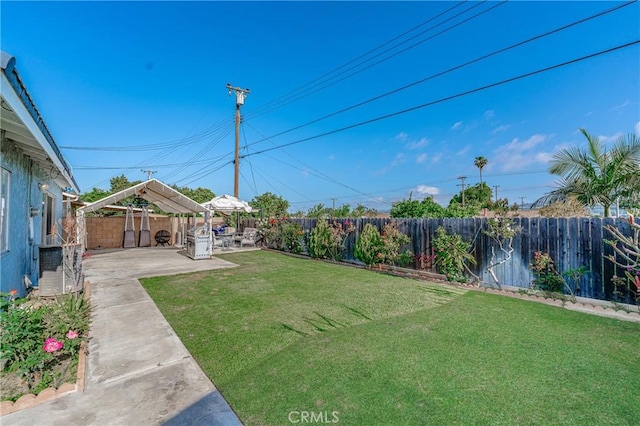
(227, 204)
(163, 196)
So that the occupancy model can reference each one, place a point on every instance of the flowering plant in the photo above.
(326, 241)
(8, 300)
(626, 257)
(548, 279)
(52, 345)
(40, 343)
(452, 255)
(392, 242)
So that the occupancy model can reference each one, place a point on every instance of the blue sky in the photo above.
(141, 85)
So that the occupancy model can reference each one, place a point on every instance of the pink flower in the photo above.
(71, 334)
(13, 292)
(52, 345)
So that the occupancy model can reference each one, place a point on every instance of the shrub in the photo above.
(369, 245)
(292, 237)
(271, 231)
(326, 241)
(392, 242)
(548, 279)
(451, 255)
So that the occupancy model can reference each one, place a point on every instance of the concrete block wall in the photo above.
(108, 232)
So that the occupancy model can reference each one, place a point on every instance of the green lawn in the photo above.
(280, 334)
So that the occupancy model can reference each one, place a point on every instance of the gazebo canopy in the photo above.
(154, 191)
(227, 204)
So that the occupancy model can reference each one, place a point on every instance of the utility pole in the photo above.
(462, 178)
(496, 189)
(522, 203)
(240, 95)
(149, 173)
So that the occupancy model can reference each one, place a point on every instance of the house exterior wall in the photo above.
(25, 231)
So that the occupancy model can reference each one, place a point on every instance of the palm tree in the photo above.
(480, 162)
(594, 175)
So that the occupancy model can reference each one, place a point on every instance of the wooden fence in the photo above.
(571, 243)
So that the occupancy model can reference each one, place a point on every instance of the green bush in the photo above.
(451, 255)
(548, 279)
(368, 248)
(392, 242)
(326, 241)
(292, 237)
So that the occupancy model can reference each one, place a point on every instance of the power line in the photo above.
(260, 109)
(448, 98)
(447, 71)
(392, 55)
(154, 146)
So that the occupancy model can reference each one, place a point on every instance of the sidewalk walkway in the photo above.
(138, 371)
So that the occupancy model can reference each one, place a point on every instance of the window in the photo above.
(5, 181)
(49, 234)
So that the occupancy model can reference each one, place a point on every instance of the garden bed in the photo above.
(43, 349)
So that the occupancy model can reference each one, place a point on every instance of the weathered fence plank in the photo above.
(571, 243)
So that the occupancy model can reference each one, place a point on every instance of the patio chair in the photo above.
(249, 237)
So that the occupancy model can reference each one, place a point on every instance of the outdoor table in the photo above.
(225, 240)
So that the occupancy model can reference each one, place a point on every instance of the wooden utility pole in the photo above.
(522, 203)
(240, 95)
(149, 173)
(496, 189)
(462, 178)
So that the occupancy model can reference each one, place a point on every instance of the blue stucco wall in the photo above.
(22, 257)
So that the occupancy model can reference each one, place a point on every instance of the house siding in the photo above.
(21, 259)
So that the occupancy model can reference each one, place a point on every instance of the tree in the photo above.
(270, 205)
(478, 194)
(118, 183)
(595, 176)
(414, 208)
(362, 211)
(199, 195)
(568, 208)
(318, 211)
(480, 162)
(342, 211)
(94, 195)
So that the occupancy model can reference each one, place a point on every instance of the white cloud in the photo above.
(398, 159)
(489, 114)
(422, 158)
(519, 155)
(436, 158)
(544, 157)
(638, 128)
(456, 125)
(463, 150)
(622, 105)
(402, 136)
(610, 138)
(424, 190)
(501, 128)
(418, 144)
(516, 145)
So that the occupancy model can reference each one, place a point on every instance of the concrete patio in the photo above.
(138, 370)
